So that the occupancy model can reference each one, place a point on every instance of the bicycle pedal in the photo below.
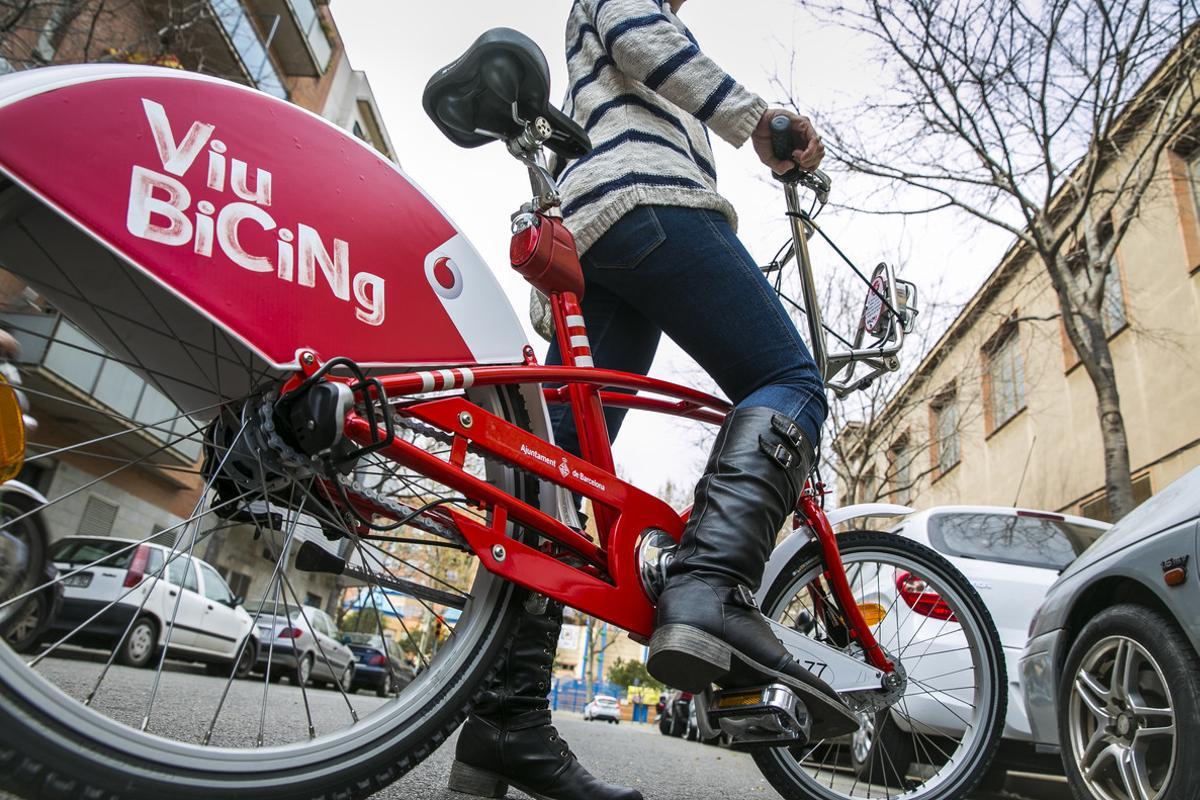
(768, 716)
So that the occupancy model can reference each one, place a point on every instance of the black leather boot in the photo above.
(708, 628)
(508, 739)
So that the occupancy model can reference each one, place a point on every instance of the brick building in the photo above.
(288, 48)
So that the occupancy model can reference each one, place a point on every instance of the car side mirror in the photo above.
(237, 601)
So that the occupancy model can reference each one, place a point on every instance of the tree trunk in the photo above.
(1086, 333)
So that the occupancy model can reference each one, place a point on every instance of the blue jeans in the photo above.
(683, 272)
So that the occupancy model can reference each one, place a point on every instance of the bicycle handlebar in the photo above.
(781, 137)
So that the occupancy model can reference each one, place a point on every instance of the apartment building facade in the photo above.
(290, 49)
(1001, 412)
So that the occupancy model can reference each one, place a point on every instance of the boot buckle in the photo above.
(787, 429)
(746, 596)
(778, 453)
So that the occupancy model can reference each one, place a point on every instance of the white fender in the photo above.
(783, 553)
(17, 487)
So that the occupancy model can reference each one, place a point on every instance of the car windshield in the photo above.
(1011, 539)
(85, 551)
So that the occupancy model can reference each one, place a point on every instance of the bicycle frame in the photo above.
(600, 578)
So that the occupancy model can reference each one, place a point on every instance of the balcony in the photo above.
(295, 34)
(78, 393)
(244, 37)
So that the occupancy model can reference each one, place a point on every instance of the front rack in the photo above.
(889, 311)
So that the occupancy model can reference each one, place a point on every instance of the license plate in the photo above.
(80, 581)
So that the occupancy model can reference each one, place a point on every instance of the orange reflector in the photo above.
(739, 700)
(12, 433)
(872, 613)
(1175, 577)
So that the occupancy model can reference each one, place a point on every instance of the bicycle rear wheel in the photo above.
(145, 495)
(933, 741)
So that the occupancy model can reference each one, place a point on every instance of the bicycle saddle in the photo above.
(471, 100)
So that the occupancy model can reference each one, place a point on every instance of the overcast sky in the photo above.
(400, 43)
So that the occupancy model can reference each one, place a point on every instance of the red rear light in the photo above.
(377, 660)
(291, 633)
(524, 241)
(921, 599)
(137, 566)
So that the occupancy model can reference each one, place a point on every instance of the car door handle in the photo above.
(172, 593)
(210, 608)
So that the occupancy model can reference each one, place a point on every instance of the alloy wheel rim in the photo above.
(1122, 722)
(862, 738)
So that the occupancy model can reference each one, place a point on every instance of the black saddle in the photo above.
(471, 100)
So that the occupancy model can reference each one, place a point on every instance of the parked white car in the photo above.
(1011, 557)
(209, 625)
(603, 707)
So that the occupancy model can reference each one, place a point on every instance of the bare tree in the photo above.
(881, 442)
(175, 33)
(1049, 121)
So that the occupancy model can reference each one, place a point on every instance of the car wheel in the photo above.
(880, 752)
(248, 660)
(138, 646)
(347, 679)
(678, 724)
(303, 670)
(1129, 708)
(385, 688)
(25, 630)
(692, 731)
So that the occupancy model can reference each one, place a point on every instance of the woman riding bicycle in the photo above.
(660, 255)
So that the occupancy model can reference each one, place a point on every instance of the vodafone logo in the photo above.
(444, 276)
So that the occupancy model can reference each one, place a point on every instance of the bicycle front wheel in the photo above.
(936, 738)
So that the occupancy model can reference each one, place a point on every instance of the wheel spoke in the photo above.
(188, 566)
(1134, 777)
(1093, 701)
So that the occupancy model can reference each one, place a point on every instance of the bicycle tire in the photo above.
(783, 776)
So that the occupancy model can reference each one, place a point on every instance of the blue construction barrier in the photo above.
(571, 695)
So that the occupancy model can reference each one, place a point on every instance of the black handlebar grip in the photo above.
(781, 137)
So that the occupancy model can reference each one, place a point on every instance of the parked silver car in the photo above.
(1111, 671)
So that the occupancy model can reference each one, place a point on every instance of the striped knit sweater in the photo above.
(647, 96)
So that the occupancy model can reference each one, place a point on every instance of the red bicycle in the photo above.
(244, 317)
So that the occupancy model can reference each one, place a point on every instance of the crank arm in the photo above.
(842, 672)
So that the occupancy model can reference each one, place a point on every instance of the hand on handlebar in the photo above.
(806, 148)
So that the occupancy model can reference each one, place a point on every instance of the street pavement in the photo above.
(663, 768)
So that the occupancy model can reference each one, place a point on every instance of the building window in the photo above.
(1112, 313)
(945, 431)
(1097, 507)
(901, 471)
(167, 539)
(98, 518)
(1005, 376)
(239, 582)
(310, 23)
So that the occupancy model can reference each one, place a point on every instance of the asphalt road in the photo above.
(662, 768)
